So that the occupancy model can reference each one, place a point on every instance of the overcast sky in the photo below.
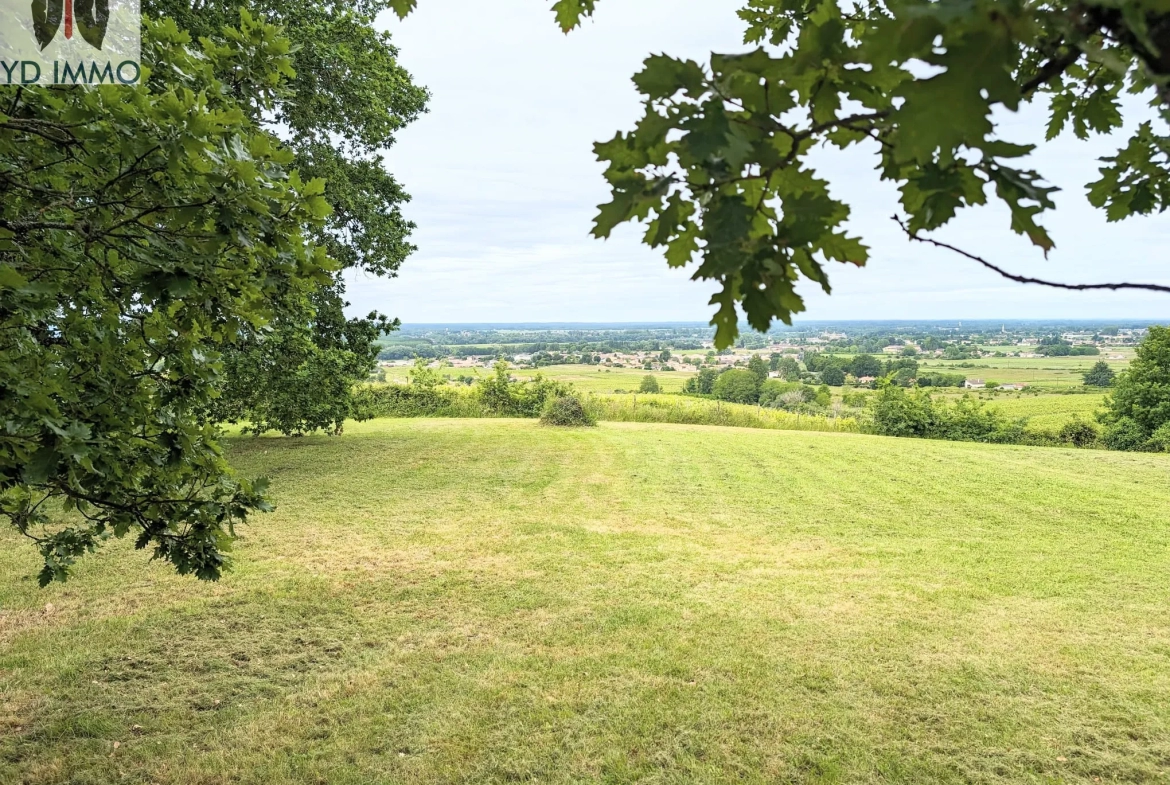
(505, 186)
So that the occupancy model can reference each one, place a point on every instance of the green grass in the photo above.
(1046, 411)
(690, 410)
(1042, 371)
(597, 379)
(1050, 411)
(474, 601)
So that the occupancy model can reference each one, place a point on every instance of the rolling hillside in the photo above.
(453, 601)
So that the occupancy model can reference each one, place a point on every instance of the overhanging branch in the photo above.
(1149, 287)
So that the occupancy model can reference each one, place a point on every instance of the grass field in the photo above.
(455, 601)
(1050, 411)
(1046, 411)
(1043, 371)
(602, 380)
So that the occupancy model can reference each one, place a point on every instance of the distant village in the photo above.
(665, 355)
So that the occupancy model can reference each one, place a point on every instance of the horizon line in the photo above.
(795, 325)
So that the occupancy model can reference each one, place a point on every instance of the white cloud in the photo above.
(505, 187)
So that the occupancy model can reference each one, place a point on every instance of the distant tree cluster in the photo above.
(1056, 346)
(903, 370)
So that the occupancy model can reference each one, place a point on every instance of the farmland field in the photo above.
(1050, 411)
(1044, 411)
(603, 380)
(1044, 371)
(587, 378)
(451, 601)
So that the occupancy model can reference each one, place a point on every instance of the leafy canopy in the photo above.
(340, 107)
(1140, 402)
(142, 230)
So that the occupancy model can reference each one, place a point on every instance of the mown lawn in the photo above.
(450, 601)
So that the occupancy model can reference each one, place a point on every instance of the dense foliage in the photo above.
(786, 395)
(737, 386)
(897, 412)
(428, 395)
(1137, 412)
(567, 411)
(142, 230)
(1100, 375)
(342, 104)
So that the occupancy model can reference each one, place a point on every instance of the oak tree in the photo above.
(142, 231)
(344, 101)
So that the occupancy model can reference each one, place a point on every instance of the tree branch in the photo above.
(1052, 69)
(1150, 287)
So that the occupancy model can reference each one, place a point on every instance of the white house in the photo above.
(974, 384)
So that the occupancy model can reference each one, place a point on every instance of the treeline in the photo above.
(752, 385)
(428, 395)
(903, 371)
(1055, 346)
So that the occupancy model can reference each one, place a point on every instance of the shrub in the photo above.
(1124, 434)
(1079, 433)
(898, 413)
(403, 400)
(503, 397)
(649, 384)
(567, 411)
(774, 389)
(424, 377)
(858, 400)
(1160, 441)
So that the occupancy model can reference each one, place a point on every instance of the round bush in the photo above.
(1079, 433)
(567, 411)
(1124, 434)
